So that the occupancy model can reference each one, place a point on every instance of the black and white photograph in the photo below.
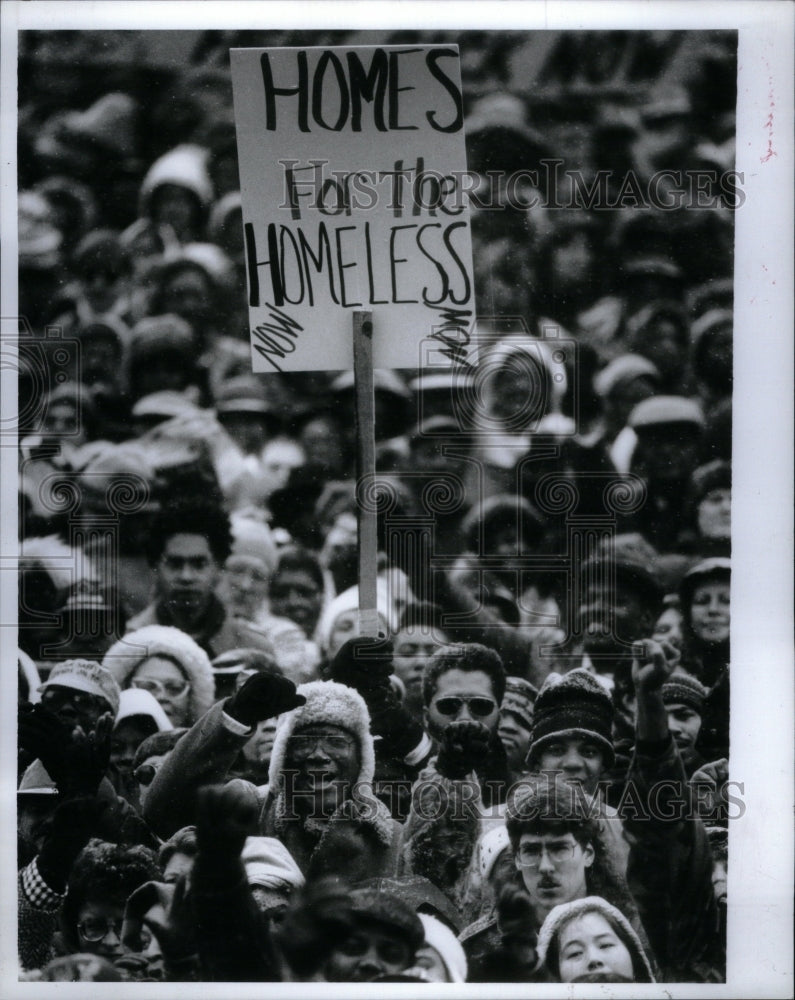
(397, 492)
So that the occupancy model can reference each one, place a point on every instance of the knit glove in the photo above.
(464, 744)
(225, 816)
(263, 696)
(73, 824)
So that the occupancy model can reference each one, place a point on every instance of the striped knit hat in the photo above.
(573, 704)
(682, 689)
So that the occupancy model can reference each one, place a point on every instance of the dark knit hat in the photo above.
(716, 475)
(683, 689)
(390, 911)
(573, 704)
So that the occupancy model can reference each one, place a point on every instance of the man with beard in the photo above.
(188, 545)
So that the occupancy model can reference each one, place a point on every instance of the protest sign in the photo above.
(352, 172)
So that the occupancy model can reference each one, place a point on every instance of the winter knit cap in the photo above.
(715, 475)
(717, 568)
(184, 166)
(562, 914)
(154, 334)
(348, 600)
(573, 704)
(622, 370)
(126, 655)
(135, 701)
(491, 846)
(39, 240)
(389, 911)
(327, 703)
(683, 689)
(444, 941)
(270, 865)
(666, 410)
(713, 319)
(519, 698)
(85, 675)
(253, 538)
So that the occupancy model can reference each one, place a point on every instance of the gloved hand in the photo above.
(464, 744)
(263, 696)
(225, 816)
(43, 736)
(364, 663)
(73, 824)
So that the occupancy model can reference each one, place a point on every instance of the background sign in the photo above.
(353, 178)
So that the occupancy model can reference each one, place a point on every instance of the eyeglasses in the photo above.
(145, 774)
(96, 928)
(55, 698)
(301, 746)
(170, 689)
(478, 706)
(529, 855)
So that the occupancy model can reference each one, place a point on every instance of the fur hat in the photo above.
(331, 704)
(126, 655)
(389, 910)
(573, 704)
(683, 689)
(85, 675)
(564, 912)
(444, 941)
(490, 847)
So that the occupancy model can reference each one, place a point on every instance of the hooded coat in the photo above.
(360, 841)
(126, 655)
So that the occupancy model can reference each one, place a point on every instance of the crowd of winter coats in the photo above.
(525, 776)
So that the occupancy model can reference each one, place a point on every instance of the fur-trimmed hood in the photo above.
(124, 656)
(333, 704)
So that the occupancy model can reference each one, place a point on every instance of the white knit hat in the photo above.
(565, 912)
(135, 701)
(270, 865)
(440, 937)
(126, 655)
(335, 705)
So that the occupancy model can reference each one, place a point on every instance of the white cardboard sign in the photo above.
(352, 171)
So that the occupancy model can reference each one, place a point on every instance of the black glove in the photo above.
(364, 663)
(43, 736)
(225, 816)
(464, 744)
(166, 911)
(263, 696)
(73, 824)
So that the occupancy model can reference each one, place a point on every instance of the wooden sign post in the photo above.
(365, 469)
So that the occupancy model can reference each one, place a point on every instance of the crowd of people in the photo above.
(525, 776)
